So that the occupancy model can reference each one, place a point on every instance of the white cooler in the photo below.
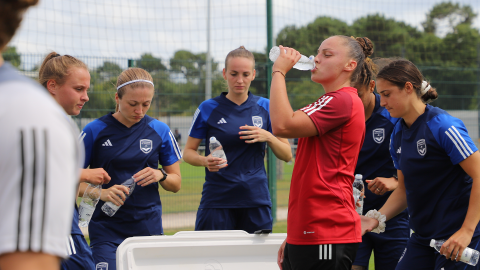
(201, 250)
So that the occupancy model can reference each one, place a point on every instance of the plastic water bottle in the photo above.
(110, 208)
(305, 63)
(217, 150)
(91, 196)
(357, 191)
(469, 256)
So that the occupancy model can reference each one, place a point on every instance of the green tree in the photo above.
(453, 13)
(150, 63)
(388, 36)
(11, 55)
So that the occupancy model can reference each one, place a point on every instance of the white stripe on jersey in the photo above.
(464, 142)
(72, 245)
(455, 141)
(197, 112)
(318, 105)
(175, 145)
(81, 136)
(69, 250)
(31, 209)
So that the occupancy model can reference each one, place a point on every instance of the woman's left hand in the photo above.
(147, 176)
(381, 185)
(456, 244)
(253, 134)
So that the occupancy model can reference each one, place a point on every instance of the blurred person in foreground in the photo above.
(39, 164)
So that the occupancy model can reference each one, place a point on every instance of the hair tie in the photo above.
(425, 87)
(364, 39)
(134, 81)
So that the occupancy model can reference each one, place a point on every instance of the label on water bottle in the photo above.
(466, 255)
(85, 211)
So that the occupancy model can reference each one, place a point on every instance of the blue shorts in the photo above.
(80, 254)
(247, 219)
(419, 255)
(387, 248)
(104, 256)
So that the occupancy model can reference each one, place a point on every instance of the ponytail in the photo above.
(56, 67)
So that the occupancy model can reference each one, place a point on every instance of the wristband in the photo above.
(279, 72)
(381, 220)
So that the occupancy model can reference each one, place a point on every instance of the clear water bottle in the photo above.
(305, 63)
(469, 256)
(216, 150)
(91, 196)
(110, 208)
(357, 192)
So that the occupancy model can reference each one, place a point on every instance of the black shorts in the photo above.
(325, 257)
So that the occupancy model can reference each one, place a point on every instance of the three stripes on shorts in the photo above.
(325, 252)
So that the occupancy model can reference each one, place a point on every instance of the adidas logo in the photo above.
(222, 121)
(107, 143)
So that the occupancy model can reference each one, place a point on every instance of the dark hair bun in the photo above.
(366, 45)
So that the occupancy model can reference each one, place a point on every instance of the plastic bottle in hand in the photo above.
(305, 63)
(357, 192)
(110, 208)
(91, 196)
(216, 150)
(469, 256)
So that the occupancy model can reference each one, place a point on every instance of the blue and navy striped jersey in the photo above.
(243, 183)
(122, 152)
(438, 189)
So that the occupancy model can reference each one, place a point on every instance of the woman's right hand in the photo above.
(281, 254)
(286, 60)
(213, 163)
(115, 194)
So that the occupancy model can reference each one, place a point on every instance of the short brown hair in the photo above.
(56, 67)
(11, 14)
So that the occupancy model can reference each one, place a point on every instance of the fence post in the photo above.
(478, 89)
(271, 159)
(131, 63)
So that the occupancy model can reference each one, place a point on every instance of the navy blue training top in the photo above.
(243, 183)
(375, 160)
(122, 152)
(437, 188)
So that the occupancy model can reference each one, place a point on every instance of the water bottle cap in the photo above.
(432, 242)
(358, 176)
(212, 139)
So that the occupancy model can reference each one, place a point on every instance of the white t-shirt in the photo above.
(39, 167)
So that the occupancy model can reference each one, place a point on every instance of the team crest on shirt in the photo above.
(146, 145)
(421, 147)
(257, 121)
(101, 266)
(379, 135)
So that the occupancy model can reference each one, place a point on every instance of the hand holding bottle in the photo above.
(304, 63)
(115, 194)
(217, 158)
(456, 244)
(286, 60)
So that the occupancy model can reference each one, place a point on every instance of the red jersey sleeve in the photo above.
(330, 111)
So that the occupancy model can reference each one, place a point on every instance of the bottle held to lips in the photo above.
(305, 63)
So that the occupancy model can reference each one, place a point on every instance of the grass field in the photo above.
(188, 198)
